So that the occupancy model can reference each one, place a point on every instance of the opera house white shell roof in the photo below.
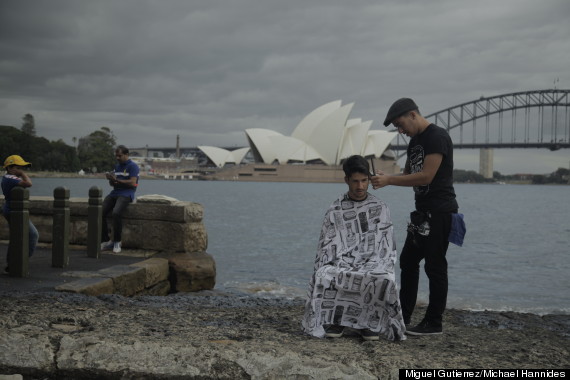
(221, 157)
(325, 135)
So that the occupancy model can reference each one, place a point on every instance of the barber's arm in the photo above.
(422, 178)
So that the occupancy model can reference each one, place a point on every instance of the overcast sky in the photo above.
(207, 70)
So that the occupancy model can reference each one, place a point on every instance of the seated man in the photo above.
(353, 284)
(124, 180)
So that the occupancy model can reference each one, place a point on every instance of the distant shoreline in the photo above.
(153, 177)
(76, 175)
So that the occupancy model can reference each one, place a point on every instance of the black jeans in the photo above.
(115, 205)
(433, 249)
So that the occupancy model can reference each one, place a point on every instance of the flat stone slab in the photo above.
(128, 280)
(91, 286)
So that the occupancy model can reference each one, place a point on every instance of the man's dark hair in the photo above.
(355, 164)
(123, 149)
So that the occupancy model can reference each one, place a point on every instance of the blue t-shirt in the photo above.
(126, 171)
(9, 181)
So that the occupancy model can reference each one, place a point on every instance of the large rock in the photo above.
(27, 349)
(192, 272)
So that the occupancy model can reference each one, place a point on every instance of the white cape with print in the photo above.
(353, 284)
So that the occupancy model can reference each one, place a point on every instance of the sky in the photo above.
(207, 70)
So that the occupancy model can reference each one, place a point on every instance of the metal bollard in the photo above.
(94, 222)
(19, 232)
(60, 228)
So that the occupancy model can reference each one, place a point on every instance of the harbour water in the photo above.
(263, 236)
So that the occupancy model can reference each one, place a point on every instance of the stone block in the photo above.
(178, 212)
(157, 199)
(91, 286)
(192, 272)
(196, 239)
(161, 235)
(78, 231)
(156, 270)
(44, 226)
(160, 289)
(127, 280)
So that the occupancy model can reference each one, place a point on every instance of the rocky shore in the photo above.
(212, 335)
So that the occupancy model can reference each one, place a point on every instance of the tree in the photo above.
(43, 154)
(469, 176)
(29, 125)
(96, 150)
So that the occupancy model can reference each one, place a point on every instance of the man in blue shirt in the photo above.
(16, 176)
(124, 180)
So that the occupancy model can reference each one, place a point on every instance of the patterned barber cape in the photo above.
(353, 284)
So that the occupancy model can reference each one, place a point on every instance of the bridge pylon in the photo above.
(486, 162)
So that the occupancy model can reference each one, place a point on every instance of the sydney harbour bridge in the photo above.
(527, 119)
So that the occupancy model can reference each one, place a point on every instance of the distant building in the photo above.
(326, 136)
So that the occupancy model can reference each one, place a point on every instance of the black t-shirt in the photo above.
(439, 196)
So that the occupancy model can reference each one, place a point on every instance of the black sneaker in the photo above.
(369, 334)
(7, 270)
(424, 328)
(334, 331)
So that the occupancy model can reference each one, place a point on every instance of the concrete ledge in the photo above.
(147, 277)
(156, 270)
(91, 286)
(160, 289)
(150, 224)
(127, 280)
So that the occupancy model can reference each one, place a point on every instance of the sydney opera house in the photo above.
(314, 151)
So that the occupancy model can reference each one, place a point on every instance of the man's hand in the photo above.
(380, 180)
(112, 178)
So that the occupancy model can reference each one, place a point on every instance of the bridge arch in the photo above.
(526, 119)
(551, 129)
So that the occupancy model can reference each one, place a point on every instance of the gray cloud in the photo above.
(151, 70)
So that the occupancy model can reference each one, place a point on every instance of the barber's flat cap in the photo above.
(400, 107)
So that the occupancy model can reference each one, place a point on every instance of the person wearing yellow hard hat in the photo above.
(16, 176)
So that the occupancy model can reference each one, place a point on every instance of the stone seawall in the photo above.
(154, 222)
(170, 230)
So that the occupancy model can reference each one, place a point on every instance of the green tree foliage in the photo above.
(96, 151)
(43, 154)
(469, 176)
(29, 125)
(560, 176)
